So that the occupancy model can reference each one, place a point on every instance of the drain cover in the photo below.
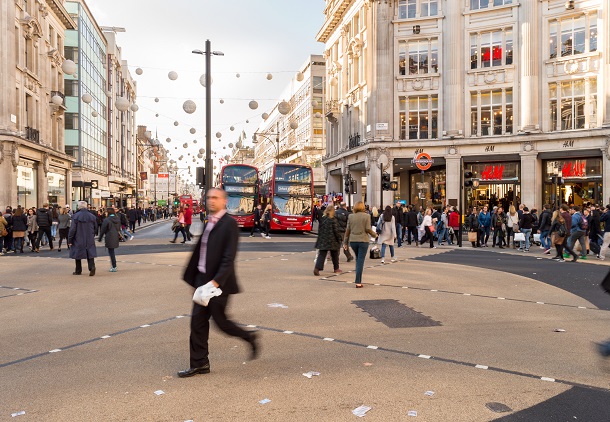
(394, 314)
(498, 407)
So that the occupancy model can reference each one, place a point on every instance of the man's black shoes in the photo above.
(92, 272)
(205, 369)
(254, 347)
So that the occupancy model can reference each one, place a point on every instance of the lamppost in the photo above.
(266, 136)
(208, 53)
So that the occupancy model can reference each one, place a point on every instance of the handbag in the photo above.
(519, 237)
(432, 229)
(472, 236)
(375, 253)
(4, 233)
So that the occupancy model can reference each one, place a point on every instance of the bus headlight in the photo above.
(276, 221)
(307, 221)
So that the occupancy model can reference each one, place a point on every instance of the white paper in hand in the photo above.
(206, 292)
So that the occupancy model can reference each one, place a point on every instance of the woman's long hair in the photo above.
(387, 213)
(558, 217)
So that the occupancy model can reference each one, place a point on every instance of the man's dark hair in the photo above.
(576, 208)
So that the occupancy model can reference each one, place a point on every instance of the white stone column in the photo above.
(531, 180)
(453, 65)
(381, 109)
(7, 65)
(373, 184)
(8, 193)
(43, 185)
(606, 177)
(529, 48)
(453, 179)
(606, 32)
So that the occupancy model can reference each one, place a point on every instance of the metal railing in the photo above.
(32, 134)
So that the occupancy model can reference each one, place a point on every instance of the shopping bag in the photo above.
(537, 237)
(204, 293)
(472, 236)
(519, 237)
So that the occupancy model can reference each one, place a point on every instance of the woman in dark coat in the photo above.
(81, 239)
(329, 240)
(111, 228)
(20, 225)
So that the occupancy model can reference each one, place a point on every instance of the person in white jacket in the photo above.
(388, 233)
(427, 224)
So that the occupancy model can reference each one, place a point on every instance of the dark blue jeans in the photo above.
(399, 234)
(360, 250)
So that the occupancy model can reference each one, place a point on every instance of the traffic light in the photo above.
(347, 187)
(385, 182)
(393, 185)
(557, 180)
(352, 187)
(200, 176)
(468, 182)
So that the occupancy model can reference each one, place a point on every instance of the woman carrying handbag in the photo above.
(179, 227)
(357, 237)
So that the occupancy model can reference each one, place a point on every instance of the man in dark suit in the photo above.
(214, 260)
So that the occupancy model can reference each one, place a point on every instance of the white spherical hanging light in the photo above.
(218, 135)
(157, 115)
(238, 75)
(176, 123)
(87, 98)
(317, 115)
(231, 145)
(202, 80)
(168, 140)
(172, 75)
(156, 100)
(201, 151)
(185, 145)
(139, 71)
(193, 130)
(299, 76)
(148, 134)
(269, 76)
(222, 101)
(294, 125)
(189, 106)
(94, 113)
(253, 105)
(68, 67)
(134, 107)
(200, 156)
(175, 147)
(265, 116)
(232, 128)
(284, 108)
(314, 103)
(122, 104)
(247, 121)
(57, 100)
(194, 141)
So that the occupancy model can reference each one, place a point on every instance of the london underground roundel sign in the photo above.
(423, 161)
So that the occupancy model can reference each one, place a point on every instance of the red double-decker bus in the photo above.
(289, 189)
(240, 182)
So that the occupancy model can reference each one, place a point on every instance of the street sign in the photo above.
(423, 161)
(422, 185)
(94, 184)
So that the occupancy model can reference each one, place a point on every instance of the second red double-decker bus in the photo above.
(289, 189)
(240, 182)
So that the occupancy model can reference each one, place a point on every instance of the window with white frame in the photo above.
(572, 36)
(422, 57)
(491, 49)
(491, 112)
(573, 104)
(419, 117)
(407, 9)
(429, 8)
(479, 4)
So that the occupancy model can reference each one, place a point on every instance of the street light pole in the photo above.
(208, 116)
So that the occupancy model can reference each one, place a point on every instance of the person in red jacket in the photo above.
(454, 223)
(188, 220)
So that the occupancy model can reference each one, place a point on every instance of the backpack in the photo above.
(584, 224)
(562, 230)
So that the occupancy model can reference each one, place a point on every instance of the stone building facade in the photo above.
(514, 92)
(33, 166)
(301, 138)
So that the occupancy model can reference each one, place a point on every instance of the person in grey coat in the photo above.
(111, 228)
(81, 239)
(329, 240)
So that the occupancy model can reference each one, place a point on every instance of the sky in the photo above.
(257, 37)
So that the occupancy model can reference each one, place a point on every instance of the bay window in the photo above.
(572, 36)
(573, 104)
(419, 117)
(423, 57)
(491, 112)
(491, 49)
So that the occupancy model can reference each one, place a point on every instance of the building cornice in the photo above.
(334, 13)
(62, 14)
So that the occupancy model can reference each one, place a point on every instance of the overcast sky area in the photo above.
(256, 36)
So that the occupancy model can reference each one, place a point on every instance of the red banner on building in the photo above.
(492, 173)
(143, 175)
(574, 169)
